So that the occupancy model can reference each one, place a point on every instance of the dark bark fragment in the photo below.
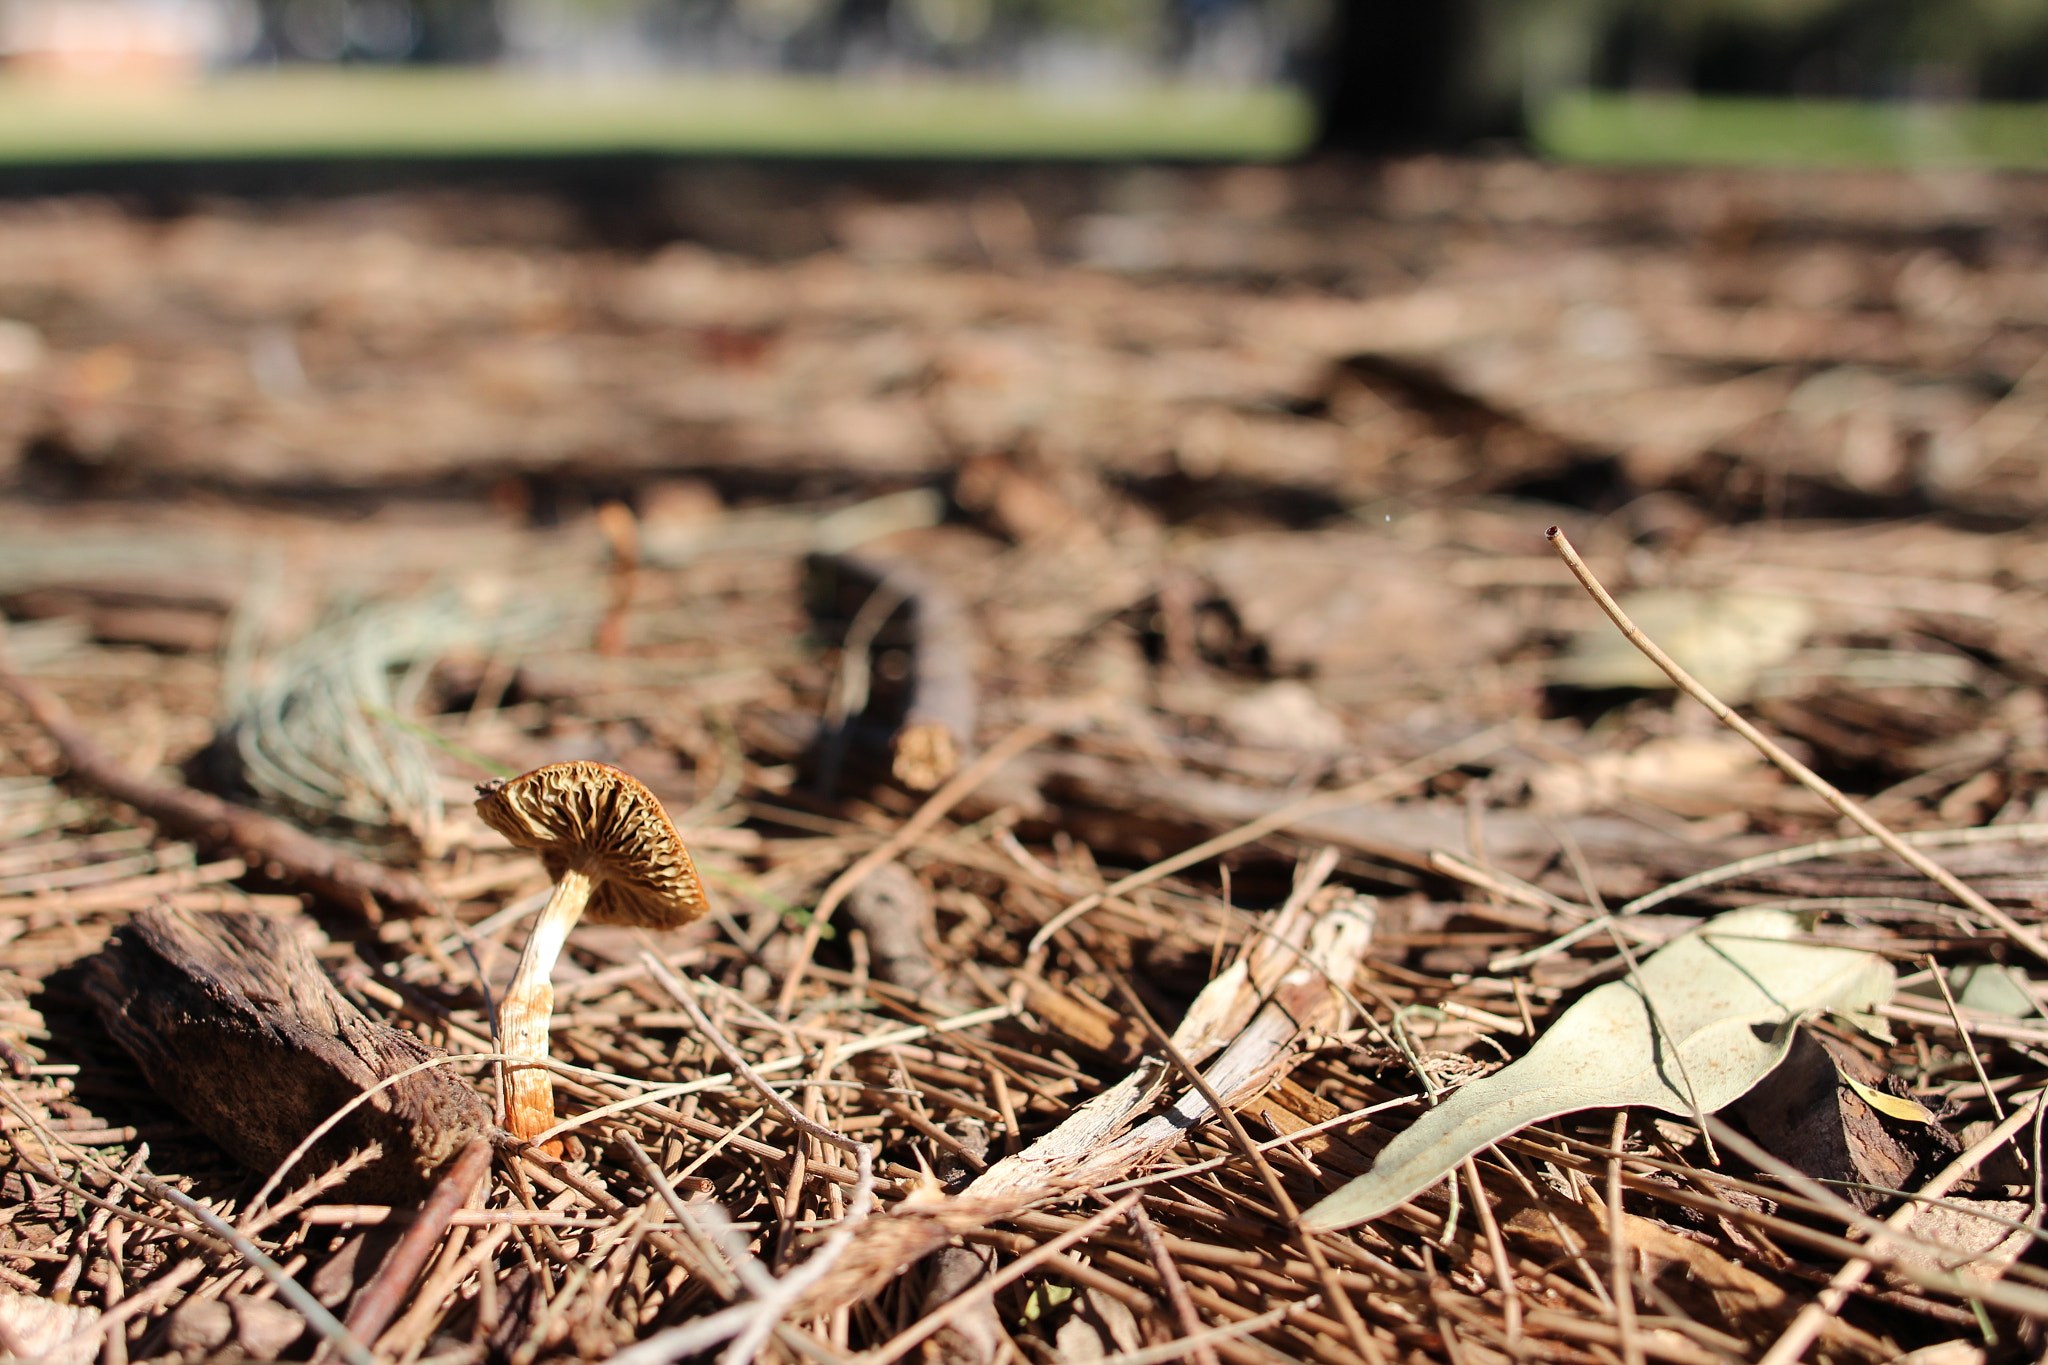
(234, 1022)
(1805, 1113)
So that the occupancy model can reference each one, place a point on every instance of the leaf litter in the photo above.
(1709, 1015)
(1160, 672)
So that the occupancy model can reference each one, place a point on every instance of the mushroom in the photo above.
(614, 856)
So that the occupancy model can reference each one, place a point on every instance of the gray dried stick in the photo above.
(234, 1022)
(893, 908)
(937, 734)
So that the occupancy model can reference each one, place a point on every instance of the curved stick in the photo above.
(263, 840)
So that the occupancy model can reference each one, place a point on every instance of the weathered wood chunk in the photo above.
(1805, 1113)
(233, 1021)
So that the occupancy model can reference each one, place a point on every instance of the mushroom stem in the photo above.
(530, 1004)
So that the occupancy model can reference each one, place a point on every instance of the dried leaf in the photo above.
(1725, 995)
(1983, 1236)
(1892, 1106)
(1994, 988)
(1044, 1298)
(1805, 1114)
(1690, 774)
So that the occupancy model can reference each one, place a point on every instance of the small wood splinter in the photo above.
(613, 855)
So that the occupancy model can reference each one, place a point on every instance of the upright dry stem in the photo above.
(530, 1004)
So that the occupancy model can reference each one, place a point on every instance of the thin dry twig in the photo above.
(378, 1302)
(1799, 772)
(1969, 1044)
(1176, 1288)
(1376, 788)
(1621, 1255)
(1497, 1252)
(929, 814)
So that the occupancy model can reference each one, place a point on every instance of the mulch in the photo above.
(1050, 619)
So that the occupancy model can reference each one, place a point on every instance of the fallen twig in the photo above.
(1806, 777)
(929, 814)
(378, 1302)
(1376, 788)
(260, 839)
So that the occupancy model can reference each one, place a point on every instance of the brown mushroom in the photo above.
(614, 856)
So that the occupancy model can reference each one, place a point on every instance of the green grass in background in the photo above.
(442, 112)
(423, 112)
(1682, 130)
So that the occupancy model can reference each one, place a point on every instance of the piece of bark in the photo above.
(1805, 1113)
(1115, 1037)
(1289, 1108)
(934, 732)
(217, 824)
(234, 1022)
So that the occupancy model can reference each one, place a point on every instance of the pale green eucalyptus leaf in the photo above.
(1726, 997)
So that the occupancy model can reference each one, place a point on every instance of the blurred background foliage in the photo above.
(1643, 79)
(1681, 79)
(1492, 65)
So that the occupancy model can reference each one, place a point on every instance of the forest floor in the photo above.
(1054, 612)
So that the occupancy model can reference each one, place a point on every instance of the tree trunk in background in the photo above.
(1404, 75)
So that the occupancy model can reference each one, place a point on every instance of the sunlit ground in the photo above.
(1680, 130)
(428, 112)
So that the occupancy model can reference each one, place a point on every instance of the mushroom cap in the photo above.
(604, 823)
